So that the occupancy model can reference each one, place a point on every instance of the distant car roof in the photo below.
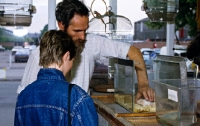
(1, 46)
(15, 48)
(180, 47)
(145, 49)
(177, 49)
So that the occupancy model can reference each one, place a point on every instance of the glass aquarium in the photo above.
(124, 83)
(176, 101)
(169, 67)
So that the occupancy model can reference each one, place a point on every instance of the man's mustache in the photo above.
(80, 44)
(80, 41)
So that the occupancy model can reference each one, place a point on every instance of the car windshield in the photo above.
(23, 51)
(18, 47)
(147, 52)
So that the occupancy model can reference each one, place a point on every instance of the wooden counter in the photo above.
(118, 116)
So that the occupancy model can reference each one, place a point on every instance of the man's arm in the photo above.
(140, 67)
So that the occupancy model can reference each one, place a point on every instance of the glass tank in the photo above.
(124, 83)
(169, 67)
(177, 101)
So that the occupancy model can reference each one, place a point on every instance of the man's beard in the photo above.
(80, 44)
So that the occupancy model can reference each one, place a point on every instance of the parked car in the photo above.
(146, 52)
(27, 46)
(22, 55)
(15, 49)
(2, 49)
(157, 51)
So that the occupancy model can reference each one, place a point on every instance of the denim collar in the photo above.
(50, 74)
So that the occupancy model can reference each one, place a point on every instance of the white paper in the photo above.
(172, 95)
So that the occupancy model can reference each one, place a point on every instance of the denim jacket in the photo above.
(44, 103)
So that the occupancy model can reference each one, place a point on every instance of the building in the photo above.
(142, 32)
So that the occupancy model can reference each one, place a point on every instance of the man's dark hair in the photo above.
(66, 10)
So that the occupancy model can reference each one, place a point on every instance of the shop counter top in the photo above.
(119, 116)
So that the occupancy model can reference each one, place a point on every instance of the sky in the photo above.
(128, 8)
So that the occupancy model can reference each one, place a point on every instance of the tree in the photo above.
(187, 16)
(155, 25)
(45, 29)
(6, 36)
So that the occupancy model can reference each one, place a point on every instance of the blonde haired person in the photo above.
(51, 100)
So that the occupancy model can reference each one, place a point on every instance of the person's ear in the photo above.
(61, 26)
(66, 57)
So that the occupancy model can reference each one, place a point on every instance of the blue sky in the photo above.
(128, 8)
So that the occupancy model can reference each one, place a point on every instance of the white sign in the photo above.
(172, 95)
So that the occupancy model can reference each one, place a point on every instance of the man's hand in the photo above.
(143, 84)
(145, 92)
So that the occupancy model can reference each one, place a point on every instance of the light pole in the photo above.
(51, 14)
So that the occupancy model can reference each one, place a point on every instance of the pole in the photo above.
(170, 31)
(170, 39)
(10, 60)
(51, 14)
(113, 4)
